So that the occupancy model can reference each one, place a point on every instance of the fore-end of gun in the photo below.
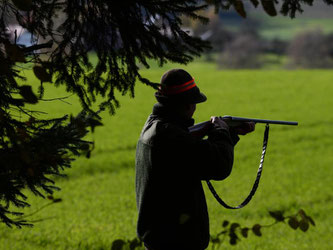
(234, 121)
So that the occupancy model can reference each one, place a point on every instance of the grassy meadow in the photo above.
(98, 194)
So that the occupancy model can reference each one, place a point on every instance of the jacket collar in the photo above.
(166, 113)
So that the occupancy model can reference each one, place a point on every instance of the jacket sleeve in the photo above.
(203, 159)
(218, 155)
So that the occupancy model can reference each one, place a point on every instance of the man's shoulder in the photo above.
(157, 130)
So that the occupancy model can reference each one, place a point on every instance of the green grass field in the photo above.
(98, 194)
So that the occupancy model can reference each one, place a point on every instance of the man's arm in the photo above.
(215, 156)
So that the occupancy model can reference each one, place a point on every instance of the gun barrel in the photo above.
(236, 119)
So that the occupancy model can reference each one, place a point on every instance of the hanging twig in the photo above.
(57, 99)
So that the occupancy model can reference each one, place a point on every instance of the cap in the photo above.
(178, 86)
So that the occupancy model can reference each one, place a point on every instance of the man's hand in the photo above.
(217, 121)
(245, 128)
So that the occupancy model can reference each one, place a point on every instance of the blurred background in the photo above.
(261, 41)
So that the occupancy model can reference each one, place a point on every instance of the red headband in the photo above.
(176, 89)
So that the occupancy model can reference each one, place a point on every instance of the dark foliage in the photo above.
(215, 33)
(275, 46)
(234, 232)
(288, 7)
(63, 33)
(123, 34)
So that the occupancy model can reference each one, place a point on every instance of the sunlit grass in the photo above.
(99, 198)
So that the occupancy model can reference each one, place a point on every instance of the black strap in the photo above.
(256, 183)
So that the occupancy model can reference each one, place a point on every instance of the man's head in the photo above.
(178, 89)
(178, 86)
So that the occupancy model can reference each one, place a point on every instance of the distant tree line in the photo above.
(308, 49)
(311, 49)
(245, 48)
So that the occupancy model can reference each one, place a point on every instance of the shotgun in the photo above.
(234, 121)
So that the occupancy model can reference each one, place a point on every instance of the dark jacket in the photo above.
(170, 164)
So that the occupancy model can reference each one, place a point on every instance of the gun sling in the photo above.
(256, 182)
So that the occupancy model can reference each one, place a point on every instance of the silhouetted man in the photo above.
(171, 163)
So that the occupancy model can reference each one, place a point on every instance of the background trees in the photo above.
(310, 49)
(272, 37)
(122, 34)
(242, 52)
